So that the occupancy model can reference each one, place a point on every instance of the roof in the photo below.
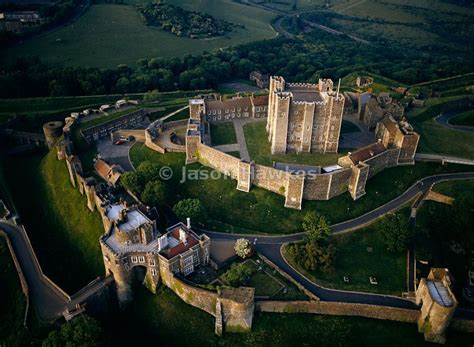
(110, 173)
(260, 100)
(440, 293)
(366, 152)
(305, 94)
(176, 246)
(236, 102)
(390, 124)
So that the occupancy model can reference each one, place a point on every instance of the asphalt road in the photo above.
(270, 247)
(444, 118)
(48, 301)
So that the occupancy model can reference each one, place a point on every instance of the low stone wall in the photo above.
(339, 309)
(271, 179)
(382, 161)
(176, 123)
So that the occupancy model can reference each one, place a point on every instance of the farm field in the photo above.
(262, 211)
(108, 35)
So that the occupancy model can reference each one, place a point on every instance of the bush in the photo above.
(81, 331)
(316, 227)
(313, 256)
(243, 248)
(190, 208)
(154, 193)
(395, 232)
(237, 274)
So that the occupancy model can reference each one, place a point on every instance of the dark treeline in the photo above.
(318, 55)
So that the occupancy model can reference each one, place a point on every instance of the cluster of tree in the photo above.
(238, 274)
(316, 252)
(395, 232)
(80, 331)
(307, 59)
(243, 248)
(146, 182)
(191, 208)
(181, 22)
(55, 14)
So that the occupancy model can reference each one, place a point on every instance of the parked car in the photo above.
(120, 142)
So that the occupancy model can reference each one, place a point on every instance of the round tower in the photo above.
(52, 132)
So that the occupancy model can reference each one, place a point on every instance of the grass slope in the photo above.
(109, 34)
(231, 210)
(64, 233)
(12, 309)
(465, 118)
(151, 314)
(353, 260)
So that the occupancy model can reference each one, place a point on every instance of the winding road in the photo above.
(443, 119)
(270, 247)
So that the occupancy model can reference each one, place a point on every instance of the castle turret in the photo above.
(52, 132)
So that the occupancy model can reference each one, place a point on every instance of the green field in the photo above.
(465, 119)
(108, 35)
(64, 233)
(165, 317)
(12, 309)
(259, 210)
(356, 262)
(260, 152)
(223, 134)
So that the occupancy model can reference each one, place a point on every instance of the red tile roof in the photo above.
(181, 247)
(102, 168)
(366, 152)
(260, 100)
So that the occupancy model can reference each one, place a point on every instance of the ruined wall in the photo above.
(380, 162)
(339, 309)
(218, 160)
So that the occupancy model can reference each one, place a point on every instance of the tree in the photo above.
(316, 227)
(395, 232)
(190, 208)
(313, 256)
(148, 171)
(243, 248)
(154, 193)
(237, 274)
(131, 181)
(80, 331)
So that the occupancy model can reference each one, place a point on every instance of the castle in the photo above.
(304, 117)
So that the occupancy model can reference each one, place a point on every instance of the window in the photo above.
(209, 112)
(226, 110)
(152, 262)
(127, 267)
(134, 260)
(239, 109)
(257, 108)
(141, 260)
(153, 272)
(219, 111)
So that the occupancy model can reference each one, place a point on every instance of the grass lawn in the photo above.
(355, 261)
(234, 211)
(64, 233)
(223, 133)
(465, 118)
(12, 309)
(259, 149)
(164, 317)
(349, 127)
(111, 34)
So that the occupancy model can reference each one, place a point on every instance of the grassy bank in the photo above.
(464, 118)
(12, 309)
(360, 255)
(64, 233)
(231, 210)
(151, 314)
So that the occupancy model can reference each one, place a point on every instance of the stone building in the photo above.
(304, 117)
(220, 109)
(438, 304)
(132, 240)
(364, 81)
(398, 134)
(52, 132)
(109, 172)
(377, 107)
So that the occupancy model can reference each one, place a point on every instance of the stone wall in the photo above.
(339, 182)
(316, 187)
(339, 309)
(271, 179)
(382, 161)
(218, 160)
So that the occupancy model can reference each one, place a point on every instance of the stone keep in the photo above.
(304, 117)
(438, 305)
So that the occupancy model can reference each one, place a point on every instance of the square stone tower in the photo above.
(304, 117)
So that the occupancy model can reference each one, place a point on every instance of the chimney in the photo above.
(188, 223)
